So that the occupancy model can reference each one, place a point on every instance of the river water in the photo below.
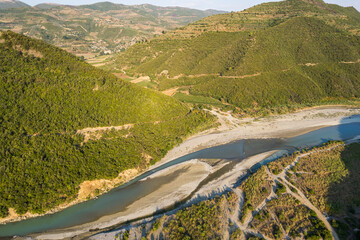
(119, 198)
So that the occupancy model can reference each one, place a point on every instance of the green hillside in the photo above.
(273, 13)
(46, 96)
(100, 28)
(275, 61)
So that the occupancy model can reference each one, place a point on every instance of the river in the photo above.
(120, 198)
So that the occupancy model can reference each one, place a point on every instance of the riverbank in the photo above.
(190, 174)
(87, 191)
(279, 126)
(230, 130)
(292, 199)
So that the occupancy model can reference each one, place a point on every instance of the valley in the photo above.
(67, 138)
(272, 128)
(99, 29)
(145, 122)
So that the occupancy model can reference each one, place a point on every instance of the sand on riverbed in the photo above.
(215, 187)
(280, 126)
(228, 180)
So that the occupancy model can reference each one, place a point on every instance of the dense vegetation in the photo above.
(205, 220)
(99, 28)
(301, 58)
(256, 189)
(46, 95)
(287, 214)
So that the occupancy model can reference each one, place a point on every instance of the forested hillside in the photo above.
(274, 55)
(46, 96)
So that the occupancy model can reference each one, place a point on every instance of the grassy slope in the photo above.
(268, 59)
(331, 185)
(295, 218)
(47, 94)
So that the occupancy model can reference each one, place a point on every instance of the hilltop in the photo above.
(47, 5)
(100, 28)
(7, 4)
(64, 121)
(274, 55)
(270, 14)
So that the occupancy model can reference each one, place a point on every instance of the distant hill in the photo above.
(7, 4)
(274, 55)
(270, 14)
(46, 5)
(98, 28)
(63, 121)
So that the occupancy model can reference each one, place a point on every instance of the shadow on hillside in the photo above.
(343, 198)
